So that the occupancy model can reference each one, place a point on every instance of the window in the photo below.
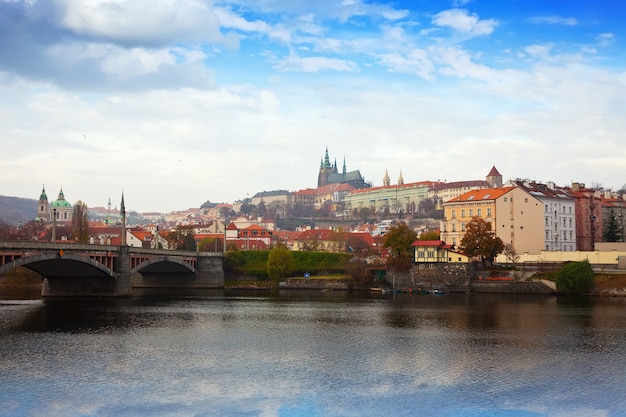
(454, 227)
(546, 221)
(479, 212)
(462, 227)
(462, 213)
(431, 254)
(453, 214)
(489, 212)
(546, 208)
(420, 254)
(505, 199)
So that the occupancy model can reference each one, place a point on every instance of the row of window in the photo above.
(571, 222)
(556, 236)
(564, 208)
(479, 212)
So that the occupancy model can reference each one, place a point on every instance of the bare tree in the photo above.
(80, 222)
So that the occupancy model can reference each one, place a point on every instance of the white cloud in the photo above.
(605, 39)
(462, 22)
(553, 20)
(144, 21)
(315, 64)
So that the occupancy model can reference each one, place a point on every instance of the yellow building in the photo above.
(516, 217)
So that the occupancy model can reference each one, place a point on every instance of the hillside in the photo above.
(14, 209)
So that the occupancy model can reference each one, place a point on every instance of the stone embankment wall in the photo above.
(445, 276)
(457, 277)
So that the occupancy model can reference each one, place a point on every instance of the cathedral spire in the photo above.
(327, 159)
(344, 165)
(400, 179)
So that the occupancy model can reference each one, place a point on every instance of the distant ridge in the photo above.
(14, 209)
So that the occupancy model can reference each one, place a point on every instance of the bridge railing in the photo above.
(30, 245)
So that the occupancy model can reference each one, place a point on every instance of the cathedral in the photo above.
(61, 208)
(329, 174)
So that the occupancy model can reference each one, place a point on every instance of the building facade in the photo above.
(516, 217)
(559, 214)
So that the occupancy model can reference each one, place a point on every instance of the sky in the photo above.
(178, 102)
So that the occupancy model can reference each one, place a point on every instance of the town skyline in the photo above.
(178, 103)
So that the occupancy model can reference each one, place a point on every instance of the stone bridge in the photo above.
(81, 270)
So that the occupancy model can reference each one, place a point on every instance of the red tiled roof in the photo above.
(398, 186)
(481, 194)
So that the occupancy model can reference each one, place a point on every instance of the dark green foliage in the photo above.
(280, 263)
(612, 231)
(254, 263)
(575, 278)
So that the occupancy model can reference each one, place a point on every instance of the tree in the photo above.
(612, 232)
(211, 244)
(433, 235)
(575, 278)
(33, 230)
(510, 253)
(80, 222)
(399, 239)
(480, 240)
(280, 262)
(182, 238)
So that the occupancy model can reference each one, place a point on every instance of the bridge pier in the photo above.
(210, 272)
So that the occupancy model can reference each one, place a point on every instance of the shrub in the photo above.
(575, 278)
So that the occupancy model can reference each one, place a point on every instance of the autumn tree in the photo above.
(33, 230)
(479, 240)
(432, 235)
(399, 239)
(182, 238)
(280, 262)
(80, 222)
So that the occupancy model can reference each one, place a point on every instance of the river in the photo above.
(312, 353)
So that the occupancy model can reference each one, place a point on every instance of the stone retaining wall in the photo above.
(442, 276)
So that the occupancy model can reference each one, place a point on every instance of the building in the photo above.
(559, 214)
(328, 174)
(515, 215)
(61, 209)
(588, 216)
(401, 198)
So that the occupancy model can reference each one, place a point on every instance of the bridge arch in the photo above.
(163, 264)
(53, 265)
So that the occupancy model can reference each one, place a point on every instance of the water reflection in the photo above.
(312, 353)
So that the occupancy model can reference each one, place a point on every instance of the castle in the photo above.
(328, 174)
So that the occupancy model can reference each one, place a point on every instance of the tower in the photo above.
(494, 178)
(43, 212)
(400, 179)
(386, 180)
(326, 168)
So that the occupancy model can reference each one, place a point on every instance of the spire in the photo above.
(400, 179)
(123, 214)
(344, 164)
(326, 159)
(61, 195)
(386, 180)
(43, 196)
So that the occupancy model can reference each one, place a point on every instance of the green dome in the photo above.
(60, 201)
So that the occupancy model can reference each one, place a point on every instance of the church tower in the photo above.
(386, 180)
(43, 212)
(326, 168)
(400, 179)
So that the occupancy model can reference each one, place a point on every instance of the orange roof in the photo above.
(481, 194)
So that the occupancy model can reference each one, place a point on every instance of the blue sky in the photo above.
(178, 102)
